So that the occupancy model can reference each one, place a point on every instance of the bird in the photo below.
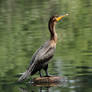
(42, 56)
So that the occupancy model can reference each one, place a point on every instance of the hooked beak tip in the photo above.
(66, 14)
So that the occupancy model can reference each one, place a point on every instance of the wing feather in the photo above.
(41, 57)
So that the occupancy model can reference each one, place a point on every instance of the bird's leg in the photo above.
(40, 73)
(46, 70)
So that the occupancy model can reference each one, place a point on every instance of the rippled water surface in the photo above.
(24, 28)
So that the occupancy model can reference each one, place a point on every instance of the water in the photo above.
(24, 27)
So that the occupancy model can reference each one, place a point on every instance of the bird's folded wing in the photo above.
(41, 57)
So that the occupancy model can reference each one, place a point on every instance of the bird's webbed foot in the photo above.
(48, 75)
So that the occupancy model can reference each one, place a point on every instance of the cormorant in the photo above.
(41, 57)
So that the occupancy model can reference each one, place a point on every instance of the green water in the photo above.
(24, 27)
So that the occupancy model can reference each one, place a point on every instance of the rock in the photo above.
(51, 79)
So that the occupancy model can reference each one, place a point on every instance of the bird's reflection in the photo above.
(41, 89)
(46, 90)
(23, 90)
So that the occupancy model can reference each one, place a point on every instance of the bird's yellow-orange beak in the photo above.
(60, 17)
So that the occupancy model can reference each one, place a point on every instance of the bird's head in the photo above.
(55, 19)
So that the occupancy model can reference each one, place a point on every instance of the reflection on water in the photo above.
(40, 90)
(23, 28)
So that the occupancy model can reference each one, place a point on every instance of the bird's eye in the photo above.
(54, 19)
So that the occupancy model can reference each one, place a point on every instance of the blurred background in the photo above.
(24, 28)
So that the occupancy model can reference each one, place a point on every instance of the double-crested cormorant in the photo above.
(45, 52)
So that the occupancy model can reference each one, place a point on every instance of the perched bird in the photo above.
(44, 53)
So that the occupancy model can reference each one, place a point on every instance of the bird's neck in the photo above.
(52, 32)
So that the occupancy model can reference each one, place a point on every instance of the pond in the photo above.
(24, 28)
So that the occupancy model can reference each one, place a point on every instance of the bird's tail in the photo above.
(24, 76)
